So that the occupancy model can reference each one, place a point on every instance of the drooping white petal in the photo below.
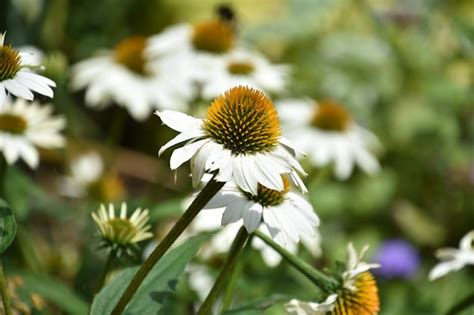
(184, 153)
(252, 216)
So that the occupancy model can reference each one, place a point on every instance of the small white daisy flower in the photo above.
(240, 139)
(25, 125)
(243, 67)
(128, 77)
(327, 133)
(16, 76)
(285, 214)
(454, 259)
(120, 232)
(297, 307)
(357, 294)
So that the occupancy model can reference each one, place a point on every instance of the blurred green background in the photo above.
(405, 70)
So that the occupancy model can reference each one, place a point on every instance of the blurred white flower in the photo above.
(86, 169)
(453, 259)
(16, 76)
(297, 307)
(25, 125)
(197, 43)
(240, 137)
(242, 67)
(285, 214)
(128, 77)
(327, 133)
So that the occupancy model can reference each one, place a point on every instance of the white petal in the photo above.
(35, 83)
(267, 175)
(235, 210)
(184, 154)
(180, 138)
(18, 89)
(179, 121)
(252, 216)
(467, 241)
(444, 268)
(3, 96)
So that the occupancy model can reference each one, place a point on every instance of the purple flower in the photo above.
(398, 259)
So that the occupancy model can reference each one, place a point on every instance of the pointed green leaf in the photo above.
(7, 226)
(157, 286)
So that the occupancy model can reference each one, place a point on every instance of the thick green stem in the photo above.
(231, 261)
(462, 305)
(323, 281)
(3, 287)
(234, 279)
(201, 200)
(107, 268)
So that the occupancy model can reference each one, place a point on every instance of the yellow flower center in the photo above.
(331, 116)
(12, 123)
(10, 62)
(269, 197)
(108, 188)
(121, 231)
(244, 121)
(363, 301)
(239, 67)
(129, 53)
(213, 36)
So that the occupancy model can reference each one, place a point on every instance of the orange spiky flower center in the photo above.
(364, 300)
(11, 123)
(244, 121)
(10, 62)
(331, 116)
(130, 53)
(213, 36)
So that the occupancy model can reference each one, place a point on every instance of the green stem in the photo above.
(462, 305)
(107, 268)
(232, 258)
(323, 281)
(234, 279)
(4, 289)
(201, 200)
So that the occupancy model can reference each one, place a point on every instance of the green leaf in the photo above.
(7, 226)
(55, 292)
(157, 286)
(258, 306)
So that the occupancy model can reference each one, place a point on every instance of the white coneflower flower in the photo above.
(242, 67)
(327, 133)
(16, 76)
(454, 259)
(357, 294)
(240, 138)
(121, 232)
(285, 214)
(206, 38)
(220, 243)
(25, 125)
(129, 78)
